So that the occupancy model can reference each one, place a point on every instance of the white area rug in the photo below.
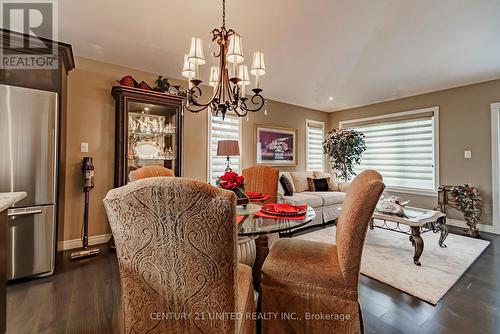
(388, 257)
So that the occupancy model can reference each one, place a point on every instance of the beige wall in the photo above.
(464, 124)
(91, 119)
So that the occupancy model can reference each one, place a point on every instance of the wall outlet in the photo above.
(467, 154)
(84, 147)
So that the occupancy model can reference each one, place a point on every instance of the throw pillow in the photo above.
(300, 181)
(332, 185)
(318, 184)
(287, 185)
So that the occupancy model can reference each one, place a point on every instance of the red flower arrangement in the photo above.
(231, 181)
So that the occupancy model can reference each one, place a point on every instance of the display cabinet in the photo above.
(148, 131)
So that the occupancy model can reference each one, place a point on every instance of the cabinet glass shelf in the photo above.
(151, 134)
(151, 159)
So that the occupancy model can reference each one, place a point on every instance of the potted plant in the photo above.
(232, 181)
(467, 200)
(344, 148)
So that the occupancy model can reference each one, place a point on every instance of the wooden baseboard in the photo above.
(77, 243)
(482, 227)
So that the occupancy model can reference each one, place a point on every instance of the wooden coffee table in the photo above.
(416, 222)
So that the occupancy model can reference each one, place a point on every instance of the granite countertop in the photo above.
(9, 199)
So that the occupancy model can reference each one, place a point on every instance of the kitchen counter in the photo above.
(9, 199)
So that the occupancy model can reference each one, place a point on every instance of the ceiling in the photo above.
(358, 52)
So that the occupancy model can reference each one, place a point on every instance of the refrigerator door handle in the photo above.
(23, 213)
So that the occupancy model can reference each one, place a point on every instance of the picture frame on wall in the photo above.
(275, 146)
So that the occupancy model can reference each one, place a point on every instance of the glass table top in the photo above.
(254, 225)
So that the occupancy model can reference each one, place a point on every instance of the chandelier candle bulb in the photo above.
(214, 77)
(188, 70)
(244, 78)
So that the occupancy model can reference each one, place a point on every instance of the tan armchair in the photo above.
(149, 171)
(176, 247)
(304, 277)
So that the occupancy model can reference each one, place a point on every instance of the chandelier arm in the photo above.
(200, 108)
(229, 91)
(258, 100)
(193, 95)
(243, 113)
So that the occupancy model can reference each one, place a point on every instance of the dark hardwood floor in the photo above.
(84, 297)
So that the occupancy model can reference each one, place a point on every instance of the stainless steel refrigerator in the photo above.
(28, 162)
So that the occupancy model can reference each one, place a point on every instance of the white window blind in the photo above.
(227, 129)
(403, 151)
(315, 132)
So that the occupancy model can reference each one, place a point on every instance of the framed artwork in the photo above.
(275, 146)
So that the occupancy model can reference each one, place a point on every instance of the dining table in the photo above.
(251, 225)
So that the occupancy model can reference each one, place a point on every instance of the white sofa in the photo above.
(326, 204)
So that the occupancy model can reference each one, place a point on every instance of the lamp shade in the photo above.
(228, 148)
(243, 75)
(235, 49)
(214, 76)
(188, 69)
(258, 65)
(196, 55)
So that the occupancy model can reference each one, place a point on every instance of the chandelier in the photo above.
(229, 78)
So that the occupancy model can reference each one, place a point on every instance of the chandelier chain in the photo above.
(224, 13)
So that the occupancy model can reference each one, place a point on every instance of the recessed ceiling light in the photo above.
(330, 98)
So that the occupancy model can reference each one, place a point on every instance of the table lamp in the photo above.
(228, 148)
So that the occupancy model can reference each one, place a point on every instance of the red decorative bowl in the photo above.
(253, 195)
(283, 210)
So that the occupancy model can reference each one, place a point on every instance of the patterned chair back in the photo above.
(262, 179)
(176, 246)
(357, 209)
(149, 171)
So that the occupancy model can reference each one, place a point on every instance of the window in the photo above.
(315, 134)
(403, 148)
(227, 129)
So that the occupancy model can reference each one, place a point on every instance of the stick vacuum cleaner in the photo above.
(88, 183)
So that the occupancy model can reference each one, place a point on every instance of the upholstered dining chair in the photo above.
(176, 247)
(262, 179)
(300, 276)
(149, 171)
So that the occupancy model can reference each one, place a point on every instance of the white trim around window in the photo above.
(434, 111)
(495, 159)
(231, 129)
(315, 134)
